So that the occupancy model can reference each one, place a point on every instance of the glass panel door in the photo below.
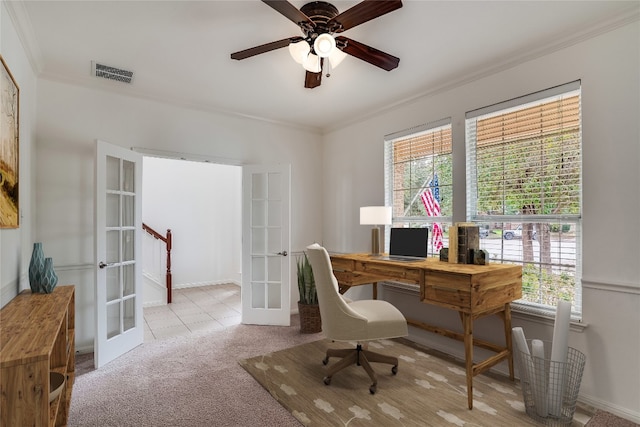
(118, 274)
(266, 267)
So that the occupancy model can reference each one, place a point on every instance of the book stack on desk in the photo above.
(468, 241)
(464, 245)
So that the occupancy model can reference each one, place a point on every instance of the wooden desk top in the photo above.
(464, 287)
(429, 264)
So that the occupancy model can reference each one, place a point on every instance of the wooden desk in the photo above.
(473, 291)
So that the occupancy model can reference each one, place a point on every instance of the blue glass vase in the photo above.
(36, 267)
(49, 277)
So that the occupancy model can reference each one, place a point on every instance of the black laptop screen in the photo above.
(409, 242)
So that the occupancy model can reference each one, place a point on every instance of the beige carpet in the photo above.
(427, 391)
(187, 381)
(605, 419)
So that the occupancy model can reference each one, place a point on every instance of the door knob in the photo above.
(283, 253)
(103, 265)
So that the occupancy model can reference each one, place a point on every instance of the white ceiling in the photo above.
(179, 50)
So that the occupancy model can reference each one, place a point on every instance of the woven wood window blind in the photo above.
(524, 177)
(418, 160)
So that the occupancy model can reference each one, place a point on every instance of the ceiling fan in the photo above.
(318, 49)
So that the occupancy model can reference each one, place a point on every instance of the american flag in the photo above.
(431, 201)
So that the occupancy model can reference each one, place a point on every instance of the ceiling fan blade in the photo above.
(268, 47)
(290, 11)
(312, 80)
(367, 53)
(361, 13)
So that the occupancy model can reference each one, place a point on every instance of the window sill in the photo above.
(524, 312)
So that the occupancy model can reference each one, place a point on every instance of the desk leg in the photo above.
(467, 321)
(507, 338)
(375, 290)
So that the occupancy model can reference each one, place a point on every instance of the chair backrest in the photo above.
(339, 321)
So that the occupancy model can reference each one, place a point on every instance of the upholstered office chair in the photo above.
(358, 321)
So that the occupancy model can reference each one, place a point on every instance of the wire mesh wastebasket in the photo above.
(550, 388)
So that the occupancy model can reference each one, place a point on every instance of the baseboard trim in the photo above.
(207, 283)
(619, 411)
(155, 303)
(84, 349)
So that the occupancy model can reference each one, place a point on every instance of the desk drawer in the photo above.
(477, 295)
(354, 278)
(342, 264)
(448, 297)
(390, 271)
(450, 290)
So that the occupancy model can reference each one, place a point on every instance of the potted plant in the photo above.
(308, 308)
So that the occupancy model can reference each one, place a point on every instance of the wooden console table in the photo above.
(37, 336)
(473, 291)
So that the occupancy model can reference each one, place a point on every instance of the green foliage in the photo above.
(557, 227)
(543, 288)
(306, 281)
(541, 175)
(417, 173)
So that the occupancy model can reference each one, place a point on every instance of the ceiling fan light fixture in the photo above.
(324, 45)
(312, 63)
(299, 51)
(336, 57)
(317, 48)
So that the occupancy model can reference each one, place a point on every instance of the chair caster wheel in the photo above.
(327, 380)
(325, 360)
(373, 389)
(394, 370)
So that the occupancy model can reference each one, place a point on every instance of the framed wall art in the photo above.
(9, 150)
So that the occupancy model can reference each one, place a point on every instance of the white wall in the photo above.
(201, 204)
(608, 66)
(16, 244)
(70, 118)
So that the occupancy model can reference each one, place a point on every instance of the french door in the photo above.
(118, 225)
(266, 266)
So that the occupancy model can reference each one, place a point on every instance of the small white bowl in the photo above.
(56, 384)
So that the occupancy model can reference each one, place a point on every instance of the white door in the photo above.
(266, 267)
(118, 225)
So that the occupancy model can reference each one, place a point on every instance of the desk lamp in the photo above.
(375, 215)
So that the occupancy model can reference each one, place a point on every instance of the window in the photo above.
(524, 170)
(418, 179)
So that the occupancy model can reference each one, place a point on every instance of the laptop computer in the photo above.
(408, 244)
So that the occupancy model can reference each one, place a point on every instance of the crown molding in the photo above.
(627, 17)
(117, 88)
(20, 17)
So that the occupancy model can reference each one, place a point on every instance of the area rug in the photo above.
(427, 390)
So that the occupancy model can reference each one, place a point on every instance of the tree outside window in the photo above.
(418, 173)
(524, 167)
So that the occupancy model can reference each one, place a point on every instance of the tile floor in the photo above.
(193, 309)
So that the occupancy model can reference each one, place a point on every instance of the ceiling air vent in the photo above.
(111, 73)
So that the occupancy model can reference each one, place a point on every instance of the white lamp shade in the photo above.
(324, 45)
(375, 215)
(299, 51)
(312, 63)
(336, 57)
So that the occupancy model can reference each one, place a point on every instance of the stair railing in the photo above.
(167, 241)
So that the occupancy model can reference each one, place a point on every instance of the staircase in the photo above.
(156, 267)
